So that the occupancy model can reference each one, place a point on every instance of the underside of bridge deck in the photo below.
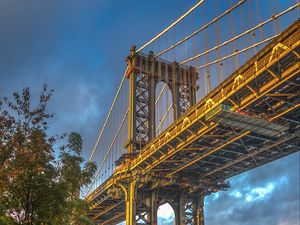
(252, 118)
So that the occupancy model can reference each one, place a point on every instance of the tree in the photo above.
(35, 186)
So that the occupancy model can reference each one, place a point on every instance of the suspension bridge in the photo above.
(210, 100)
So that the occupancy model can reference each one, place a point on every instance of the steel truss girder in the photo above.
(290, 72)
(266, 79)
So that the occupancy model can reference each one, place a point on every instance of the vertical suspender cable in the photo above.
(242, 34)
(108, 115)
(202, 28)
(122, 81)
(172, 25)
(124, 75)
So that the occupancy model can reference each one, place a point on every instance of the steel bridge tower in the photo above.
(250, 119)
(144, 73)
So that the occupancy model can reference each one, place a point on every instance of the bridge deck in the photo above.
(199, 149)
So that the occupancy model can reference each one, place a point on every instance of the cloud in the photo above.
(265, 195)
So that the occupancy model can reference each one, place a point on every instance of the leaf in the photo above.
(75, 142)
(36, 186)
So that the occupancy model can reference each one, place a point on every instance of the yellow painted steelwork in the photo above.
(160, 150)
(210, 152)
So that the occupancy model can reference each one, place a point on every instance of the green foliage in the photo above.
(4, 220)
(36, 187)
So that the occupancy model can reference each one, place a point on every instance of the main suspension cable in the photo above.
(202, 28)
(237, 52)
(109, 148)
(108, 116)
(164, 118)
(172, 25)
(124, 75)
(114, 139)
(242, 34)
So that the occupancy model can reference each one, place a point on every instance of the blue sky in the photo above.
(78, 48)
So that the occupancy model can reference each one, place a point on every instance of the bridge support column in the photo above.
(152, 98)
(194, 214)
(180, 209)
(130, 198)
(153, 208)
(198, 205)
(189, 210)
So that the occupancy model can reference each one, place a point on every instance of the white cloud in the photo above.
(165, 211)
(259, 193)
(238, 194)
